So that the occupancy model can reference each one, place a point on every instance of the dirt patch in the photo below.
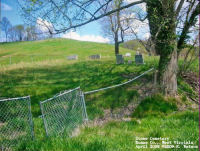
(192, 79)
(188, 104)
(124, 113)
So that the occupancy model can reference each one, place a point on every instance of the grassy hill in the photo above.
(52, 49)
(40, 69)
(134, 45)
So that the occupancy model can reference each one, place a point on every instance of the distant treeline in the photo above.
(21, 32)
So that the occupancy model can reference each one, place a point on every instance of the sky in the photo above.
(89, 32)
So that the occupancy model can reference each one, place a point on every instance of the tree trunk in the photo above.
(168, 75)
(6, 38)
(162, 23)
(116, 45)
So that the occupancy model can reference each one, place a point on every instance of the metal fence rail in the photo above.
(16, 123)
(118, 85)
(64, 112)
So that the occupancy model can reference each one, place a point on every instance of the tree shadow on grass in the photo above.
(44, 82)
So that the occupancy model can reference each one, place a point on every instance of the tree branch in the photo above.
(179, 7)
(99, 17)
(186, 27)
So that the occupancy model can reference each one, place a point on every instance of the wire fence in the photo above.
(118, 101)
(64, 112)
(16, 123)
(118, 85)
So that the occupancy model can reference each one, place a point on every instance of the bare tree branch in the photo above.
(179, 7)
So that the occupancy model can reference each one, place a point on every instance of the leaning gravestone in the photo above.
(97, 56)
(139, 59)
(73, 57)
(120, 59)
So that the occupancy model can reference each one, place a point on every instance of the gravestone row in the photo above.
(119, 58)
(138, 59)
(75, 57)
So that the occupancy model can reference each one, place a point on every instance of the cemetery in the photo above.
(100, 81)
(85, 75)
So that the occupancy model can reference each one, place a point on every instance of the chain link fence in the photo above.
(16, 123)
(61, 114)
(64, 112)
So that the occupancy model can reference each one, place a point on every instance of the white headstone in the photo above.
(128, 55)
(73, 57)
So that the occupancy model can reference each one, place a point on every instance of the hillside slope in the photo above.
(53, 49)
(40, 69)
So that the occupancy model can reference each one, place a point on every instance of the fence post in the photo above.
(155, 77)
(84, 106)
(10, 60)
(30, 118)
(45, 124)
(32, 58)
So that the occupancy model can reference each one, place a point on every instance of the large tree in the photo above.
(162, 17)
(161, 14)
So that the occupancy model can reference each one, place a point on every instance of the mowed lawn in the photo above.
(40, 69)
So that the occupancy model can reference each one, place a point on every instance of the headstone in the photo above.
(73, 57)
(120, 59)
(129, 61)
(127, 55)
(97, 56)
(139, 59)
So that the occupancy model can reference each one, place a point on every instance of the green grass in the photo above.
(45, 77)
(121, 136)
(194, 66)
(155, 106)
(53, 49)
(40, 69)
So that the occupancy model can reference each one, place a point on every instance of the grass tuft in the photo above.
(154, 106)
